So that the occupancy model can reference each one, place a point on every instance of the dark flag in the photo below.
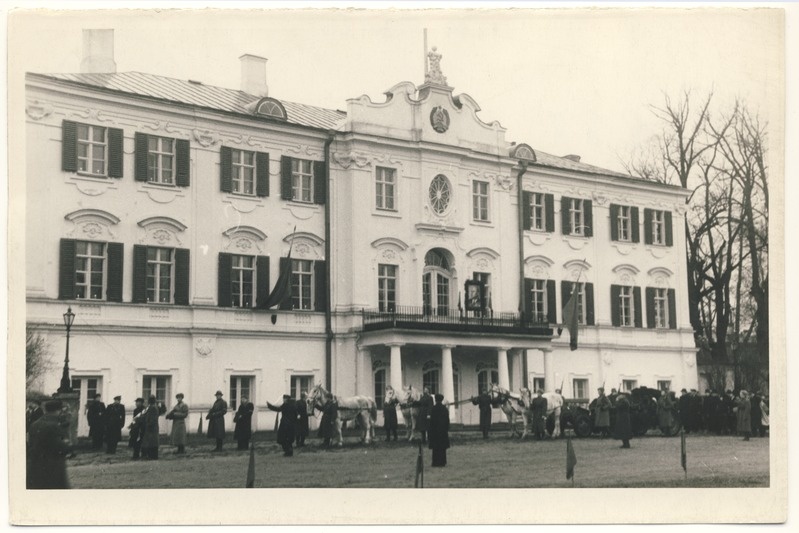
(419, 470)
(571, 459)
(683, 455)
(570, 318)
(200, 427)
(282, 286)
(251, 468)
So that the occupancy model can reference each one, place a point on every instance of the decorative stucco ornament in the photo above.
(439, 119)
(434, 74)
(204, 346)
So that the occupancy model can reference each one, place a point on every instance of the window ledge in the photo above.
(91, 175)
(481, 223)
(243, 196)
(390, 213)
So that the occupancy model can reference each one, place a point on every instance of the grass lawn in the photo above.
(653, 461)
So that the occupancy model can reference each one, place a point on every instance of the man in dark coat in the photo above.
(390, 417)
(243, 424)
(114, 422)
(149, 419)
(623, 429)
(425, 405)
(744, 414)
(302, 429)
(33, 413)
(288, 422)
(695, 405)
(539, 409)
(47, 451)
(439, 431)
(327, 426)
(730, 421)
(602, 413)
(95, 414)
(216, 421)
(684, 404)
(710, 410)
(483, 402)
(136, 429)
(757, 415)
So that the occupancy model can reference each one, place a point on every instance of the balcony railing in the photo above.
(454, 320)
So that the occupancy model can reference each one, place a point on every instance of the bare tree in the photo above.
(37, 356)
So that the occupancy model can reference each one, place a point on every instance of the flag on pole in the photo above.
(571, 459)
(570, 317)
(683, 455)
(251, 468)
(419, 483)
(200, 427)
(282, 285)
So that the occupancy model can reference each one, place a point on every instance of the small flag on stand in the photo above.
(683, 455)
(251, 468)
(419, 484)
(571, 460)
(200, 427)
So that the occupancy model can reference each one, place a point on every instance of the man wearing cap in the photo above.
(136, 429)
(602, 413)
(178, 416)
(243, 423)
(114, 422)
(47, 451)
(539, 408)
(149, 441)
(288, 422)
(438, 431)
(216, 421)
(95, 415)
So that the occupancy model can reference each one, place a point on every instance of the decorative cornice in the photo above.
(482, 250)
(663, 271)
(304, 235)
(92, 214)
(164, 221)
(436, 228)
(248, 231)
(625, 267)
(538, 259)
(392, 241)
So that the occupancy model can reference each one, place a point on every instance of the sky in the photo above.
(564, 81)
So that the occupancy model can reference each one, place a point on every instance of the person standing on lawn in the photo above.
(390, 413)
(95, 415)
(302, 420)
(243, 421)
(136, 429)
(149, 418)
(216, 421)
(114, 422)
(47, 450)
(744, 414)
(425, 405)
(756, 415)
(623, 429)
(602, 413)
(327, 426)
(178, 416)
(483, 402)
(539, 409)
(288, 422)
(438, 431)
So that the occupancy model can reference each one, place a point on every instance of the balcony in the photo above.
(449, 320)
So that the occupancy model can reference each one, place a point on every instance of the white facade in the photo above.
(380, 161)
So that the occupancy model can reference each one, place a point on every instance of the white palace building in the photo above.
(426, 249)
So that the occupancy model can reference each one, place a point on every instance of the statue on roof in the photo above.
(434, 74)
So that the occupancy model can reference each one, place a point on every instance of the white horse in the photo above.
(362, 409)
(521, 406)
(410, 409)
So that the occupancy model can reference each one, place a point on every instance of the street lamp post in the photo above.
(66, 383)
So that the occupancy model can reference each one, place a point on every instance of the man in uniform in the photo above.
(483, 401)
(136, 429)
(114, 422)
(95, 414)
(602, 413)
(47, 451)
(539, 409)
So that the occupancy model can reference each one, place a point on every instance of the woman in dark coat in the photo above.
(744, 414)
(327, 426)
(390, 413)
(425, 405)
(288, 421)
(243, 421)
(302, 420)
(149, 440)
(216, 421)
(624, 429)
(439, 431)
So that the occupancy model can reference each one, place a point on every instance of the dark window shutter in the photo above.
(650, 307)
(648, 226)
(261, 174)
(69, 146)
(182, 276)
(614, 222)
(637, 304)
(140, 157)
(224, 297)
(669, 232)
(285, 178)
(565, 217)
(527, 210)
(588, 215)
(527, 300)
(320, 285)
(636, 231)
(552, 305)
(285, 266)
(549, 209)
(589, 304)
(226, 169)
(672, 310)
(116, 153)
(615, 312)
(115, 254)
(183, 164)
(261, 279)
(320, 182)
(139, 274)
(66, 270)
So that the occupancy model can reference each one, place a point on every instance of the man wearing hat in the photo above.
(95, 415)
(602, 413)
(242, 431)
(114, 422)
(149, 441)
(539, 408)
(623, 429)
(47, 451)
(438, 431)
(136, 429)
(178, 416)
(216, 421)
(483, 402)
(288, 423)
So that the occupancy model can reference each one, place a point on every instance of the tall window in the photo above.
(302, 284)
(624, 221)
(385, 188)
(629, 384)
(658, 227)
(157, 386)
(485, 378)
(243, 172)
(664, 385)
(92, 149)
(581, 303)
(435, 282)
(661, 308)
(380, 387)
(537, 211)
(89, 270)
(431, 375)
(240, 387)
(480, 200)
(626, 310)
(577, 215)
(160, 160)
(538, 299)
(539, 383)
(485, 278)
(387, 288)
(159, 275)
(580, 388)
(300, 384)
(302, 180)
(242, 273)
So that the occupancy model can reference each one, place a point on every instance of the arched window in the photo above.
(436, 282)
(270, 107)
(379, 373)
(431, 376)
(486, 375)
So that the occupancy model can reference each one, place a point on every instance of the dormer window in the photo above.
(269, 107)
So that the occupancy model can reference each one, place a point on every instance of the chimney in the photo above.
(98, 52)
(253, 75)
(572, 157)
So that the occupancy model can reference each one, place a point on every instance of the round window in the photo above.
(440, 194)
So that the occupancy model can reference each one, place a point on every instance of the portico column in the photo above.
(396, 366)
(549, 372)
(448, 386)
(502, 368)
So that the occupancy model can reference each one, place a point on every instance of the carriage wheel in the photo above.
(582, 426)
(673, 429)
